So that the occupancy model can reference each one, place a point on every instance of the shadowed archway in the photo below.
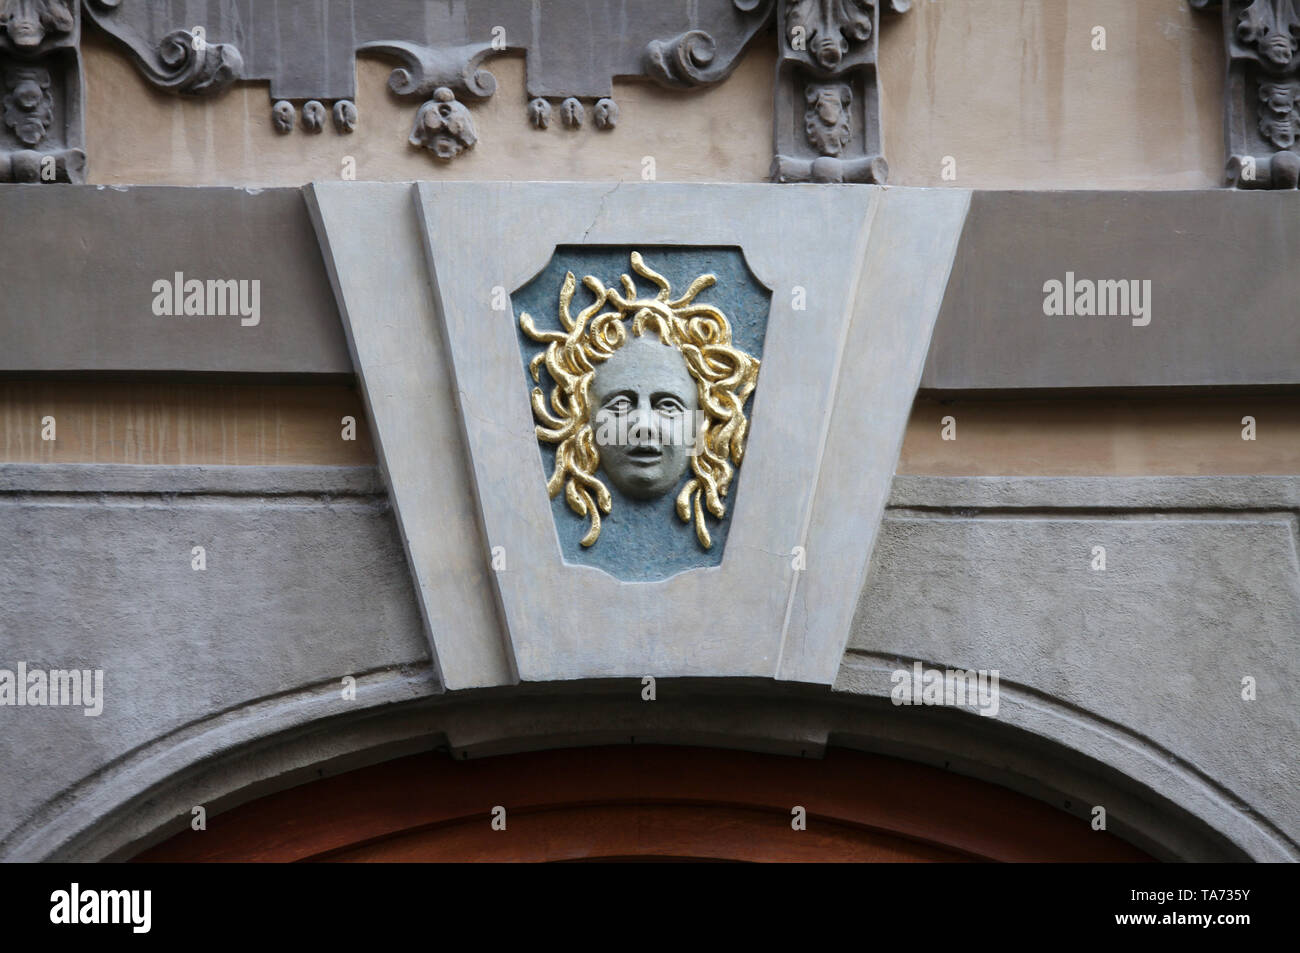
(646, 802)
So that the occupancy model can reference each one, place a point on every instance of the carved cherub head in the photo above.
(644, 389)
(29, 105)
(444, 126)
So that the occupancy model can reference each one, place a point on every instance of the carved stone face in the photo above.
(28, 21)
(644, 407)
(444, 126)
(827, 119)
(29, 107)
(1272, 29)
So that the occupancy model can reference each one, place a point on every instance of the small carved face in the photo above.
(29, 107)
(644, 406)
(826, 28)
(826, 119)
(1279, 98)
(27, 21)
(1272, 29)
(1279, 48)
(444, 126)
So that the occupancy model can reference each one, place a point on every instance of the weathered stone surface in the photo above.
(307, 49)
(1138, 664)
(1011, 245)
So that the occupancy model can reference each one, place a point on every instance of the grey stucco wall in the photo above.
(1143, 662)
(1120, 688)
(304, 583)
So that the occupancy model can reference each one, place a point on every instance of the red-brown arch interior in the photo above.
(644, 801)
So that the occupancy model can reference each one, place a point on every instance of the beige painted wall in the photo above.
(1011, 89)
(1104, 436)
(281, 424)
(173, 424)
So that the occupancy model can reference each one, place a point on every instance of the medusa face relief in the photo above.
(646, 392)
(643, 409)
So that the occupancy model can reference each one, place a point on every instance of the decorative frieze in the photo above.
(826, 116)
(41, 138)
(1262, 91)
(827, 100)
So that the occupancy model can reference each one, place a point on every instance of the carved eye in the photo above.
(669, 406)
(620, 406)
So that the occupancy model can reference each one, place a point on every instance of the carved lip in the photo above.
(26, 34)
(645, 455)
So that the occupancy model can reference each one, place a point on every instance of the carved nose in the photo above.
(641, 428)
(829, 52)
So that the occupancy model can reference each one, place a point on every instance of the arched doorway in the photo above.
(646, 802)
